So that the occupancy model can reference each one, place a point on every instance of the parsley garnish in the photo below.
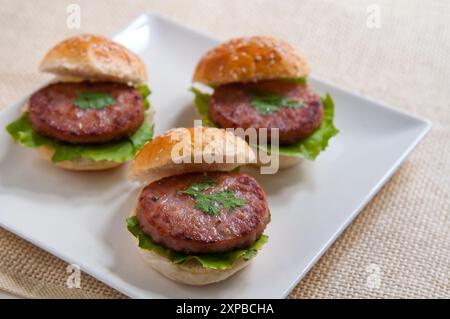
(208, 203)
(94, 100)
(264, 102)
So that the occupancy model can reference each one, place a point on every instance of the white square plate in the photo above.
(80, 217)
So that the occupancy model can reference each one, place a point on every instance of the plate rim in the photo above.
(146, 18)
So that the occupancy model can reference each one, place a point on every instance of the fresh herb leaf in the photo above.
(213, 261)
(133, 226)
(201, 100)
(311, 146)
(205, 204)
(145, 91)
(141, 136)
(228, 200)
(265, 102)
(199, 187)
(208, 203)
(94, 100)
(237, 169)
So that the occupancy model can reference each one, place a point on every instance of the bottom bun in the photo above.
(285, 161)
(81, 164)
(189, 273)
(192, 272)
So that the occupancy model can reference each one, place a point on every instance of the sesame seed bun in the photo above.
(250, 59)
(156, 161)
(173, 153)
(94, 58)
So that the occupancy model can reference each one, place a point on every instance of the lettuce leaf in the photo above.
(201, 101)
(117, 151)
(308, 148)
(214, 261)
(302, 80)
(145, 91)
(311, 146)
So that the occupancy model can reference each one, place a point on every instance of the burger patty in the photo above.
(230, 107)
(53, 113)
(171, 219)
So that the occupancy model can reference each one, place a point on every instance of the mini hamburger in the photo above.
(261, 82)
(197, 222)
(95, 114)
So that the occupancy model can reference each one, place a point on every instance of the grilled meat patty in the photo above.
(230, 107)
(171, 219)
(52, 113)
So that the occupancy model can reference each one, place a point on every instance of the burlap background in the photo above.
(405, 230)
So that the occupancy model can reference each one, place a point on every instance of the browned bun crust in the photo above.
(249, 59)
(154, 161)
(94, 58)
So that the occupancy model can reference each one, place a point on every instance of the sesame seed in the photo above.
(233, 74)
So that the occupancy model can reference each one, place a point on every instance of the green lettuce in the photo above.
(311, 146)
(145, 91)
(117, 151)
(302, 80)
(201, 101)
(214, 261)
(308, 148)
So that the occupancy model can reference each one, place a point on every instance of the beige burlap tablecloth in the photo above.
(402, 237)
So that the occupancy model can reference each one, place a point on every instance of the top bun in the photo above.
(250, 59)
(187, 150)
(94, 58)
